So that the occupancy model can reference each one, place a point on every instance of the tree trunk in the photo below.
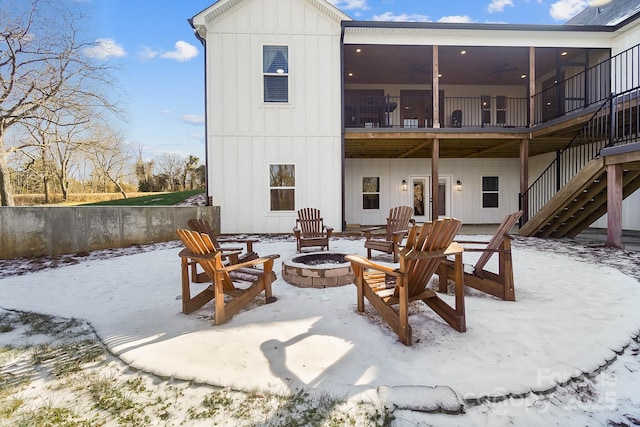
(6, 191)
(45, 188)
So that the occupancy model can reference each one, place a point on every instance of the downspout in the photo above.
(343, 162)
(209, 199)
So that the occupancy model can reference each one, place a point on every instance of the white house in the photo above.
(306, 107)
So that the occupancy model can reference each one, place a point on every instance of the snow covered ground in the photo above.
(565, 353)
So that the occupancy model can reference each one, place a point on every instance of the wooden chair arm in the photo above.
(366, 263)
(251, 263)
(329, 230)
(186, 253)
(248, 242)
(230, 249)
(471, 242)
(367, 231)
(453, 249)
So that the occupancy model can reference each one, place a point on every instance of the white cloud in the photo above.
(389, 16)
(455, 18)
(193, 119)
(197, 136)
(104, 48)
(147, 53)
(183, 52)
(350, 4)
(499, 5)
(563, 10)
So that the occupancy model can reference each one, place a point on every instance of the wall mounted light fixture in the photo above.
(405, 186)
(459, 185)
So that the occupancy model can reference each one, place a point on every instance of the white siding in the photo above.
(245, 134)
(465, 204)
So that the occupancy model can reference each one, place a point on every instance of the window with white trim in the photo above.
(282, 187)
(371, 192)
(490, 191)
(275, 70)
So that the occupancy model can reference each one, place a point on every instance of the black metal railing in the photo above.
(591, 86)
(416, 111)
(616, 122)
(485, 111)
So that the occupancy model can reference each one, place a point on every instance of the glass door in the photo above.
(421, 195)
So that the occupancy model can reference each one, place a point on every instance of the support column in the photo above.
(532, 85)
(524, 178)
(614, 206)
(435, 88)
(435, 177)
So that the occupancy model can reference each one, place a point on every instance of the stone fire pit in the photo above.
(317, 270)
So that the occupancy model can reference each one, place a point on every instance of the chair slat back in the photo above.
(201, 244)
(431, 236)
(203, 226)
(310, 222)
(497, 239)
(398, 220)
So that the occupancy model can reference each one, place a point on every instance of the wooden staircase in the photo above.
(580, 202)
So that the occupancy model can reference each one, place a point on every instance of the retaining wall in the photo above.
(37, 231)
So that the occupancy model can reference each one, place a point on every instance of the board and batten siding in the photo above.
(465, 204)
(246, 135)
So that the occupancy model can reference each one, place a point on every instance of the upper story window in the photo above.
(275, 70)
(282, 187)
(490, 191)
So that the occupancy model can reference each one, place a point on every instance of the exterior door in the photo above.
(421, 196)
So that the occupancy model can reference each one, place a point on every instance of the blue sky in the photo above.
(162, 70)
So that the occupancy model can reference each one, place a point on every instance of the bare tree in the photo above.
(188, 171)
(43, 68)
(170, 165)
(144, 171)
(111, 156)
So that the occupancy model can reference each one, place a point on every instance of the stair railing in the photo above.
(616, 122)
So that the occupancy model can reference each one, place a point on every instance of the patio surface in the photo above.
(574, 313)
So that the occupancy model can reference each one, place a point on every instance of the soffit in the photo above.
(494, 36)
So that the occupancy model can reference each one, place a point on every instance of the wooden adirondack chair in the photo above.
(427, 246)
(395, 230)
(200, 249)
(203, 226)
(500, 285)
(310, 229)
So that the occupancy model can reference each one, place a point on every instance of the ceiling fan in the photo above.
(505, 67)
(419, 69)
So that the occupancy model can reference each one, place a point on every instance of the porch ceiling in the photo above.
(398, 64)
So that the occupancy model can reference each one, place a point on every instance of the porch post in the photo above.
(524, 178)
(532, 85)
(435, 177)
(614, 206)
(435, 88)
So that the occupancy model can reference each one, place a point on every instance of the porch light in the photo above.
(404, 185)
(524, 76)
(350, 74)
(458, 185)
(463, 52)
(564, 53)
(358, 50)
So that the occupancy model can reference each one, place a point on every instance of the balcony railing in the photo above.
(589, 87)
(416, 112)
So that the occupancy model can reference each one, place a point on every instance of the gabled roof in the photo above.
(610, 13)
(221, 6)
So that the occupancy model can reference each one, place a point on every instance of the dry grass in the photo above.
(74, 198)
